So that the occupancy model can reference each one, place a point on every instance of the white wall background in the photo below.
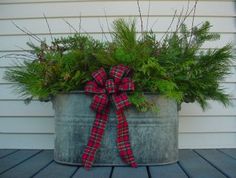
(32, 126)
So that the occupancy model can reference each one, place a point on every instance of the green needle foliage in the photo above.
(63, 66)
(175, 66)
(196, 73)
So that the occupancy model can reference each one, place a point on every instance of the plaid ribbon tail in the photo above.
(95, 138)
(123, 142)
(103, 86)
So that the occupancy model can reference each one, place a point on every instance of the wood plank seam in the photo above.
(112, 169)
(73, 173)
(9, 154)
(148, 172)
(45, 166)
(226, 154)
(183, 169)
(21, 162)
(213, 165)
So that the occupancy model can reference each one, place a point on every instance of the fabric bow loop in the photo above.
(114, 86)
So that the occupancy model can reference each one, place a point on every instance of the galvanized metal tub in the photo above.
(153, 136)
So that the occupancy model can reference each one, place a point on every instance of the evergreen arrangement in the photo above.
(63, 66)
(174, 66)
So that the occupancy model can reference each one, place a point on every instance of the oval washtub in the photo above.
(153, 136)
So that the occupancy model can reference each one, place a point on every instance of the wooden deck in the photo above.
(211, 163)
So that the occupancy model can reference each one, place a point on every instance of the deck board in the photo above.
(167, 171)
(15, 159)
(230, 152)
(6, 152)
(31, 166)
(128, 172)
(200, 163)
(195, 166)
(94, 172)
(56, 170)
(224, 163)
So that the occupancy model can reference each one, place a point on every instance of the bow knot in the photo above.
(114, 87)
(109, 89)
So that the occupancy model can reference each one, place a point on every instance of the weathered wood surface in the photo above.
(200, 163)
(195, 166)
(167, 171)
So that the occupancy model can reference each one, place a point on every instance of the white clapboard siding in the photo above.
(90, 25)
(32, 126)
(211, 139)
(26, 141)
(27, 125)
(116, 8)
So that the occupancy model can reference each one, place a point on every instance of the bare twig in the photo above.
(18, 56)
(25, 50)
(49, 29)
(140, 15)
(154, 23)
(186, 16)
(84, 31)
(28, 32)
(179, 19)
(68, 23)
(148, 15)
(80, 22)
(187, 8)
(108, 27)
(173, 18)
(103, 33)
(80, 26)
(194, 13)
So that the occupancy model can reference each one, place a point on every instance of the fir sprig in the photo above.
(176, 67)
(63, 66)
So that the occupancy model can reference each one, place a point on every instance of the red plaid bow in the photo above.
(107, 90)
